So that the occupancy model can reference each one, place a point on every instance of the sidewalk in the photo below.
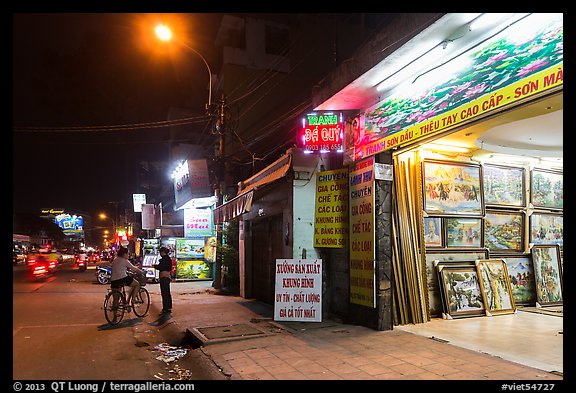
(240, 336)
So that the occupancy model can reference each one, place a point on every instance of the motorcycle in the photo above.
(41, 268)
(103, 275)
(81, 263)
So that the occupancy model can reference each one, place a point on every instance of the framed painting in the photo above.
(495, 285)
(546, 189)
(464, 232)
(546, 228)
(504, 186)
(521, 273)
(446, 257)
(452, 188)
(504, 231)
(461, 291)
(433, 232)
(547, 274)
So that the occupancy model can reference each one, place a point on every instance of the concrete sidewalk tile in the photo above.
(310, 368)
(440, 369)
(293, 375)
(327, 359)
(453, 361)
(418, 360)
(355, 360)
(280, 368)
(391, 375)
(462, 375)
(359, 376)
(342, 368)
(298, 361)
(258, 376)
(374, 369)
(324, 375)
(387, 360)
(407, 369)
(270, 361)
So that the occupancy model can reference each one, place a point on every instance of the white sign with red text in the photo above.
(298, 294)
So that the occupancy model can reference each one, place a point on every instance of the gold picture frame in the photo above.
(495, 286)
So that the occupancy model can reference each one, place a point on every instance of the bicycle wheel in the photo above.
(141, 302)
(114, 315)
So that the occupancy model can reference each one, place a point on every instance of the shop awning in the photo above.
(236, 206)
(242, 202)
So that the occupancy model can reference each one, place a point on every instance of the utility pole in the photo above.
(220, 129)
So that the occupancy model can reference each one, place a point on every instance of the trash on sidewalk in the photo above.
(169, 353)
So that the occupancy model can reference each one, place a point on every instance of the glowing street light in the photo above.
(164, 33)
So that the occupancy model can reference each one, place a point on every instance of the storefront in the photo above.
(463, 167)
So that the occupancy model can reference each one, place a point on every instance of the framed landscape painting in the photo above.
(504, 231)
(546, 189)
(547, 274)
(447, 257)
(463, 232)
(495, 285)
(521, 273)
(461, 291)
(504, 186)
(546, 228)
(452, 188)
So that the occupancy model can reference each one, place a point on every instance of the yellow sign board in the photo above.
(331, 212)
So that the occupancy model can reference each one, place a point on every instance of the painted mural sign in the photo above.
(362, 234)
(505, 70)
(331, 210)
(298, 292)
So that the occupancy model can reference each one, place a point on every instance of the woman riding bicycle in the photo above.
(119, 277)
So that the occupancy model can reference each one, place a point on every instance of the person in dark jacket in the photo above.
(164, 266)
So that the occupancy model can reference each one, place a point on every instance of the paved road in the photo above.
(60, 333)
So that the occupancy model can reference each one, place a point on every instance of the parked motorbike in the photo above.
(103, 274)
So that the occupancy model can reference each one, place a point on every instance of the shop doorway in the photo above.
(266, 248)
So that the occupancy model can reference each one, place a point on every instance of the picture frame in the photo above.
(452, 188)
(521, 274)
(495, 285)
(461, 291)
(454, 257)
(546, 228)
(546, 189)
(504, 231)
(464, 232)
(433, 232)
(547, 274)
(504, 186)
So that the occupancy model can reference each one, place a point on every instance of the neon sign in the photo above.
(322, 132)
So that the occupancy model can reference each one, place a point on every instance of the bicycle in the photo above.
(140, 303)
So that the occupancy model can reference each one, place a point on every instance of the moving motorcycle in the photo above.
(81, 262)
(40, 268)
(103, 274)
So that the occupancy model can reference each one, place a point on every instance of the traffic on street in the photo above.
(60, 332)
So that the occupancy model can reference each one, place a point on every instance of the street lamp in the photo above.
(104, 216)
(164, 33)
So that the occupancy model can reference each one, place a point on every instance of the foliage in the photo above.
(229, 254)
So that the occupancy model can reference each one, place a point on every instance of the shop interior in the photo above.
(528, 136)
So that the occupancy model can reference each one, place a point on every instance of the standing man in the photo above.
(165, 267)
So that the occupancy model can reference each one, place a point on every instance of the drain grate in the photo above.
(217, 334)
(240, 330)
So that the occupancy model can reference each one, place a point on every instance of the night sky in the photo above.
(77, 77)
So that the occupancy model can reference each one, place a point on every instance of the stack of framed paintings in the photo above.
(480, 250)
(448, 258)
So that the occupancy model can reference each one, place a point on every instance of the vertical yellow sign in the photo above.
(331, 215)
(362, 234)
